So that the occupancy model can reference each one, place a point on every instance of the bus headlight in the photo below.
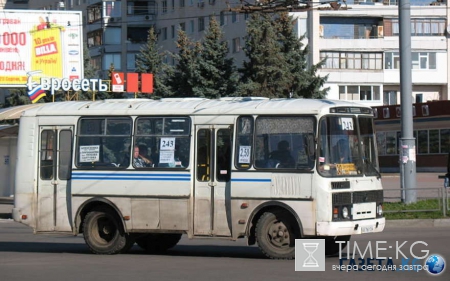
(380, 210)
(345, 212)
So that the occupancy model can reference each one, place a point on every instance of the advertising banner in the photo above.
(38, 43)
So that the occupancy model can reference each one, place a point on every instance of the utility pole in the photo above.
(407, 149)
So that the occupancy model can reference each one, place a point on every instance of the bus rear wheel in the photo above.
(103, 233)
(276, 234)
(158, 243)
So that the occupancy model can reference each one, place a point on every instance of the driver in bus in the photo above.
(283, 155)
(341, 152)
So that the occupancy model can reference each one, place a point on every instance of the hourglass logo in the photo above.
(309, 254)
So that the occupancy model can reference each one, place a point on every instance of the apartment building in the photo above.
(116, 30)
(360, 45)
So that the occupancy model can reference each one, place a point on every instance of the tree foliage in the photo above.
(185, 73)
(150, 60)
(276, 64)
(217, 74)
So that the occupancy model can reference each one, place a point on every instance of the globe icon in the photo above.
(435, 264)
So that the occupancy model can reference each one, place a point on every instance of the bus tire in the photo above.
(332, 248)
(158, 243)
(103, 233)
(275, 234)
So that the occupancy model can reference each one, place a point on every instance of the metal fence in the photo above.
(442, 194)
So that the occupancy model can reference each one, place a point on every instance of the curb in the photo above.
(418, 223)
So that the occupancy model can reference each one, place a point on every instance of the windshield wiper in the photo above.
(371, 167)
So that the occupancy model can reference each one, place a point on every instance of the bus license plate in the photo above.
(367, 229)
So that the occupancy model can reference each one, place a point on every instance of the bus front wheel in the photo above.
(103, 233)
(275, 234)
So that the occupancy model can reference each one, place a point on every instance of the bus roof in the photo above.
(188, 106)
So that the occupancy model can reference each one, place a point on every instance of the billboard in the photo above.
(40, 44)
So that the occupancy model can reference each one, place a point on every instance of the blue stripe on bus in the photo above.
(130, 174)
(131, 178)
(251, 180)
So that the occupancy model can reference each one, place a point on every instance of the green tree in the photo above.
(276, 64)
(185, 73)
(218, 75)
(17, 96)
(264, 71)
(304, 81)
(150, 60)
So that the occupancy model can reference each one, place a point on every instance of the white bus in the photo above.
(268, 170)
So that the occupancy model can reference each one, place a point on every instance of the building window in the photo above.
(172, 31)
(234, 17)
(164, 33)
(112, 36)
(131, 61)
(223, 19)
(111, 59)
(389, 97)
(182, 3)
(422, 27)
(419, 60)
(355, 92)
(201, 23)
(351, 60)
(236, 44)
(164, 6)
(94, 38)
(191, 26)
(183, 26)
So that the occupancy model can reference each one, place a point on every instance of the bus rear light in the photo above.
(127, 218)
(24, 217)
(244, 205)
(241, 221)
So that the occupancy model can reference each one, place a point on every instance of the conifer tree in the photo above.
(218, 75)
(150, 60)
(277, 60)
(304, 82)
(264, 71)
(185, 73)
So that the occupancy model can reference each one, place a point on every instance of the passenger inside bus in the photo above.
(140, 159)
(283, 155)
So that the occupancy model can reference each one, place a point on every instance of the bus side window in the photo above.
(47, 157)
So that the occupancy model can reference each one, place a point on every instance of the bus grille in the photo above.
(346, 198)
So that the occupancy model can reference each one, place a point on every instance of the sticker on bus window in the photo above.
(347, 124)
(167, 144)
(90, 153)
(166, 156)
(244, 153)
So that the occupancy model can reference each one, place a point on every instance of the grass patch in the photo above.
(422, 209)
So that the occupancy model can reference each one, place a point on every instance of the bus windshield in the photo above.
(347, 147)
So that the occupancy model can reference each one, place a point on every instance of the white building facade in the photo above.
(360, 46)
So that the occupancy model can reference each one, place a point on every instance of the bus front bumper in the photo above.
(338, 228)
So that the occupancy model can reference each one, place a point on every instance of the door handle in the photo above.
(54, 182)
(212, 183)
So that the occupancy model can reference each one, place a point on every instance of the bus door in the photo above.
(212, 215)
(54, 172)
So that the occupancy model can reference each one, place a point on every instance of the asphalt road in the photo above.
(25, 256)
